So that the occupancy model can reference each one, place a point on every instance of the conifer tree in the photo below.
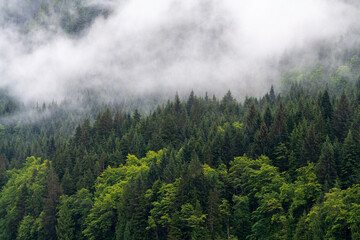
(106, 123)
(252, 122)
(311, 143)
(118, 122)
(50, 204)
(2, 171)
(177, 104)
(213, 217)
(268, 117)
(341, 117)
(67, 183)
(326, 107)
(190, 102)
(262, 140)
(278, 130)
(86, 133)
(272, 96)
(350, 162)
(136, 117)
(326, 167)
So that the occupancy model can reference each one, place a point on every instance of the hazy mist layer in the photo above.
(164, 46)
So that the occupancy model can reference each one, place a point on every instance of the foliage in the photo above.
(274, 167)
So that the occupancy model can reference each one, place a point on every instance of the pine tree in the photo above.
(171, 171)
(50, 204)
(86, 133)
(350, 162)
(177, 104)
(272, 96)
(213, 217)
(226, 102)
(262, 140)
(106, 123)
(67, 183)
(296, 145)
(136, 116)
(227, 149)
(2, 171)
(77, 136)
(268, 117)
(169, 130)
(278, 130)
(355, 126)
(252, 122)
(341, 117)
(326, 167)
(216, 148)
(325, 105)
(311, 143)
(51, 148)
(118, 122)
(190, 102)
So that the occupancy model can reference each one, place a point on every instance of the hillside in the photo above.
(136, 120)
(283, 166)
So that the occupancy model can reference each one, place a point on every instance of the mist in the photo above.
(143, 48)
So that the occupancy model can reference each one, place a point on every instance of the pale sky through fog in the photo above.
(172, 45)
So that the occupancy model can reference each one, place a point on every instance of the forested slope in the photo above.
(282, 166)
(69, 16)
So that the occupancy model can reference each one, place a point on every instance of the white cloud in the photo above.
(176, 45)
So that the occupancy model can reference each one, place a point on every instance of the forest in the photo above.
(281, 166)
(92, 146)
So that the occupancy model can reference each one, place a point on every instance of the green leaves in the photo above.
(65, 227)
(194, 189)
(23, 200)
(110, 194)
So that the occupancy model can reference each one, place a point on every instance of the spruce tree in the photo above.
(326, 107)
(350, 162)
(67, 183)
(50, 204)
(326, 167)
(311, 145)
(278, 130)
(341, 117)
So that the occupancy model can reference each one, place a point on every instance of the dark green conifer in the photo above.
(326, 167)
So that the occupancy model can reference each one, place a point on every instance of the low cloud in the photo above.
(160, 47)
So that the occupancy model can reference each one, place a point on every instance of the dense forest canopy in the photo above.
(256, 135)
(282, 166)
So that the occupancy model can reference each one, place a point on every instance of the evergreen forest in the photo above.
(281, 166)
(110, 156)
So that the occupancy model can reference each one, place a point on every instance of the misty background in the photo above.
(127, 49)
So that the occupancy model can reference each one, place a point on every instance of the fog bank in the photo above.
(160, 47)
